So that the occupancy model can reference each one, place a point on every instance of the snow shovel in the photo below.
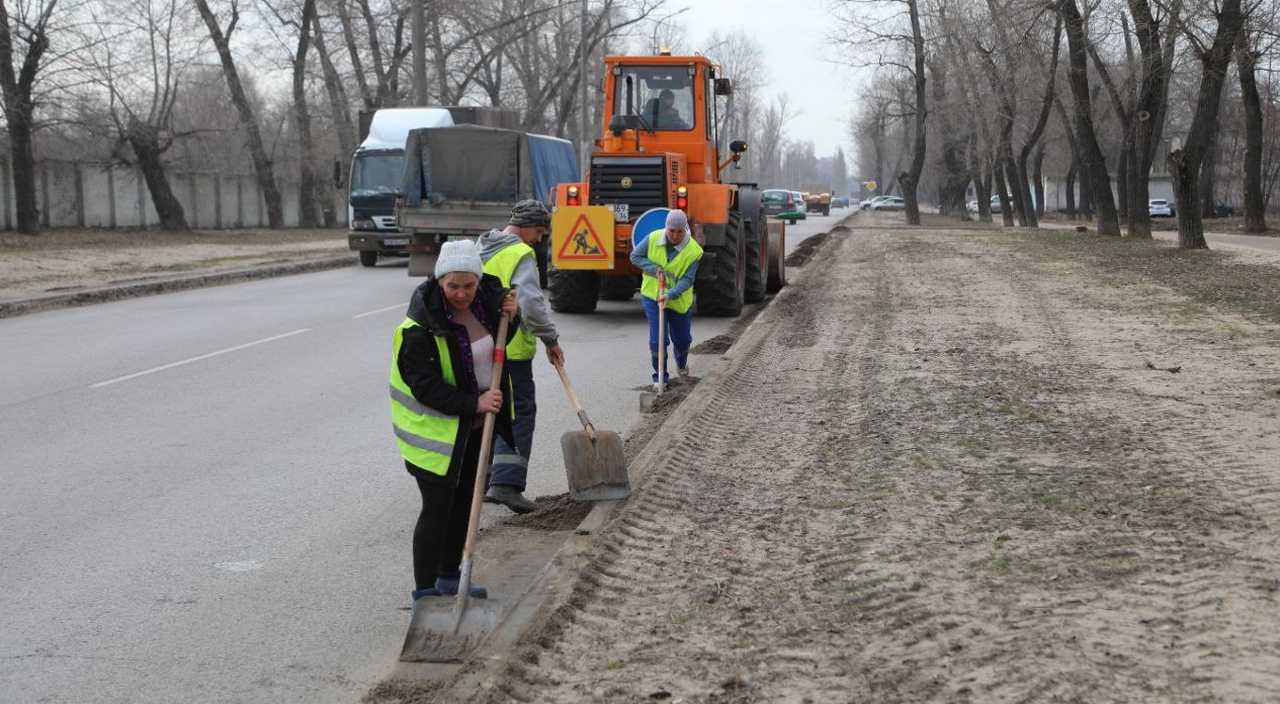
(593, 459)
(438, 633)
(648, 399)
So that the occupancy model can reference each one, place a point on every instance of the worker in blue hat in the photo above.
(673, 250)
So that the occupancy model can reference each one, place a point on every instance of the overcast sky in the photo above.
(793, 36)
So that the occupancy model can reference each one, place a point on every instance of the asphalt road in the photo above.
(202, 500)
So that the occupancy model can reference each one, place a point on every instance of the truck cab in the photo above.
(377, 169)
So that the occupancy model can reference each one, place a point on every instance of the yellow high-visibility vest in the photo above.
(425, 435)
(675, 268)
(503, 265)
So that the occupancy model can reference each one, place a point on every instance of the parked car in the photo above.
(1223, 210)
(838, 202)
(782, 205)
(866, 204)
(889, 203)
(1160, 208)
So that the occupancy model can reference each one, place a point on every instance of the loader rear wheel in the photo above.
(574, 291)
(756, 234)
(617, 288)
(723, 271)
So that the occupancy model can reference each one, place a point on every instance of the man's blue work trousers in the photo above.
(679, 334)
(511, 464)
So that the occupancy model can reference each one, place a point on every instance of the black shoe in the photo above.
(510, 497)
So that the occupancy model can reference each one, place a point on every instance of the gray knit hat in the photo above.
(459, 255)
(530, 213)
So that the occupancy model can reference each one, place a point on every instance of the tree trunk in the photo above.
(982, 190)
(22, 154)
(307, 191)
(1150, 108)
(1255, 214)
(1037, 175)
(1090, 153)
(1123, 203)
(1071, 189)
(910, 179)
(1184, 163)
(146, 147)
(1209, 178)
(1002, 193)
(261, 163)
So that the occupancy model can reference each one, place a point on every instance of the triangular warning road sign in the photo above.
(583, 243)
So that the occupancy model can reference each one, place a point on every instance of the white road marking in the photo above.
(171, 365)
(239, 566)
(380, 310)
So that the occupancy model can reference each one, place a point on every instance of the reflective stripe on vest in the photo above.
(425, 435)
(675, 268)
(503, 265)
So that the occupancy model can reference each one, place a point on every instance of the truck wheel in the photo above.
(368, 258)
(723, 271)
(777, 261)
(617, 288)
(574, 291)
(756, 235)
(826, 210)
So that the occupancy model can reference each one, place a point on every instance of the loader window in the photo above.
(664, 96)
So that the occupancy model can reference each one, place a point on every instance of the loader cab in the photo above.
(664, 105)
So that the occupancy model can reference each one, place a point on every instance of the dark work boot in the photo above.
(510, 497)
(447, 585)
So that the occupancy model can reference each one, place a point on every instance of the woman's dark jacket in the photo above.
(419, 363)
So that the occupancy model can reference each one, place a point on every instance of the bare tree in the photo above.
(1089, 153)
(25, 39)
(139, 62)
(294, 34)
(1255, 215)
(1184, 164)
(248, 120)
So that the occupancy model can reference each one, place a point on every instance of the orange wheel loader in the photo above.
(660, 149)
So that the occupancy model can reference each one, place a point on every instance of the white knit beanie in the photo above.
(459, 255)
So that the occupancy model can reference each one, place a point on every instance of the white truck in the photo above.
(377, 169)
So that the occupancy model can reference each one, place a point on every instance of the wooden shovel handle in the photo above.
(573, 399)
(486, 443)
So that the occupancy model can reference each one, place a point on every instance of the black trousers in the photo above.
(442, 525)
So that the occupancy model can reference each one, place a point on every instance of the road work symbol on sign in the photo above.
(582, 237)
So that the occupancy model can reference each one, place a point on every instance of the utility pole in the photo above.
(584, 108)
(419, 54)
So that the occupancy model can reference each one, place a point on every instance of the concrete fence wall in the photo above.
(83, 194)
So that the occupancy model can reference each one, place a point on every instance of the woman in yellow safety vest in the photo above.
(442, 358)
(675, 251)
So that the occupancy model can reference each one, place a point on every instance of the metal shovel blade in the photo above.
(597, 470)
(448, 630)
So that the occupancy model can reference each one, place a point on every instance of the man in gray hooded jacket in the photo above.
(508, 254)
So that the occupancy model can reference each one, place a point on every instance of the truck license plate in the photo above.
(395, 242)
(621, 212)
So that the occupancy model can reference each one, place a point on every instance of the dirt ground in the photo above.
(963, 466)
(66, 260)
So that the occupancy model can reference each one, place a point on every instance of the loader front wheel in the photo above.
(574, 291)
(723, 271)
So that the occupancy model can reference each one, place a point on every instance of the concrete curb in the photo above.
(554, 585)
(102, 294)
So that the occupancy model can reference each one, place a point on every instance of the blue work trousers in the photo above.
(679, 334)
(511, 464)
